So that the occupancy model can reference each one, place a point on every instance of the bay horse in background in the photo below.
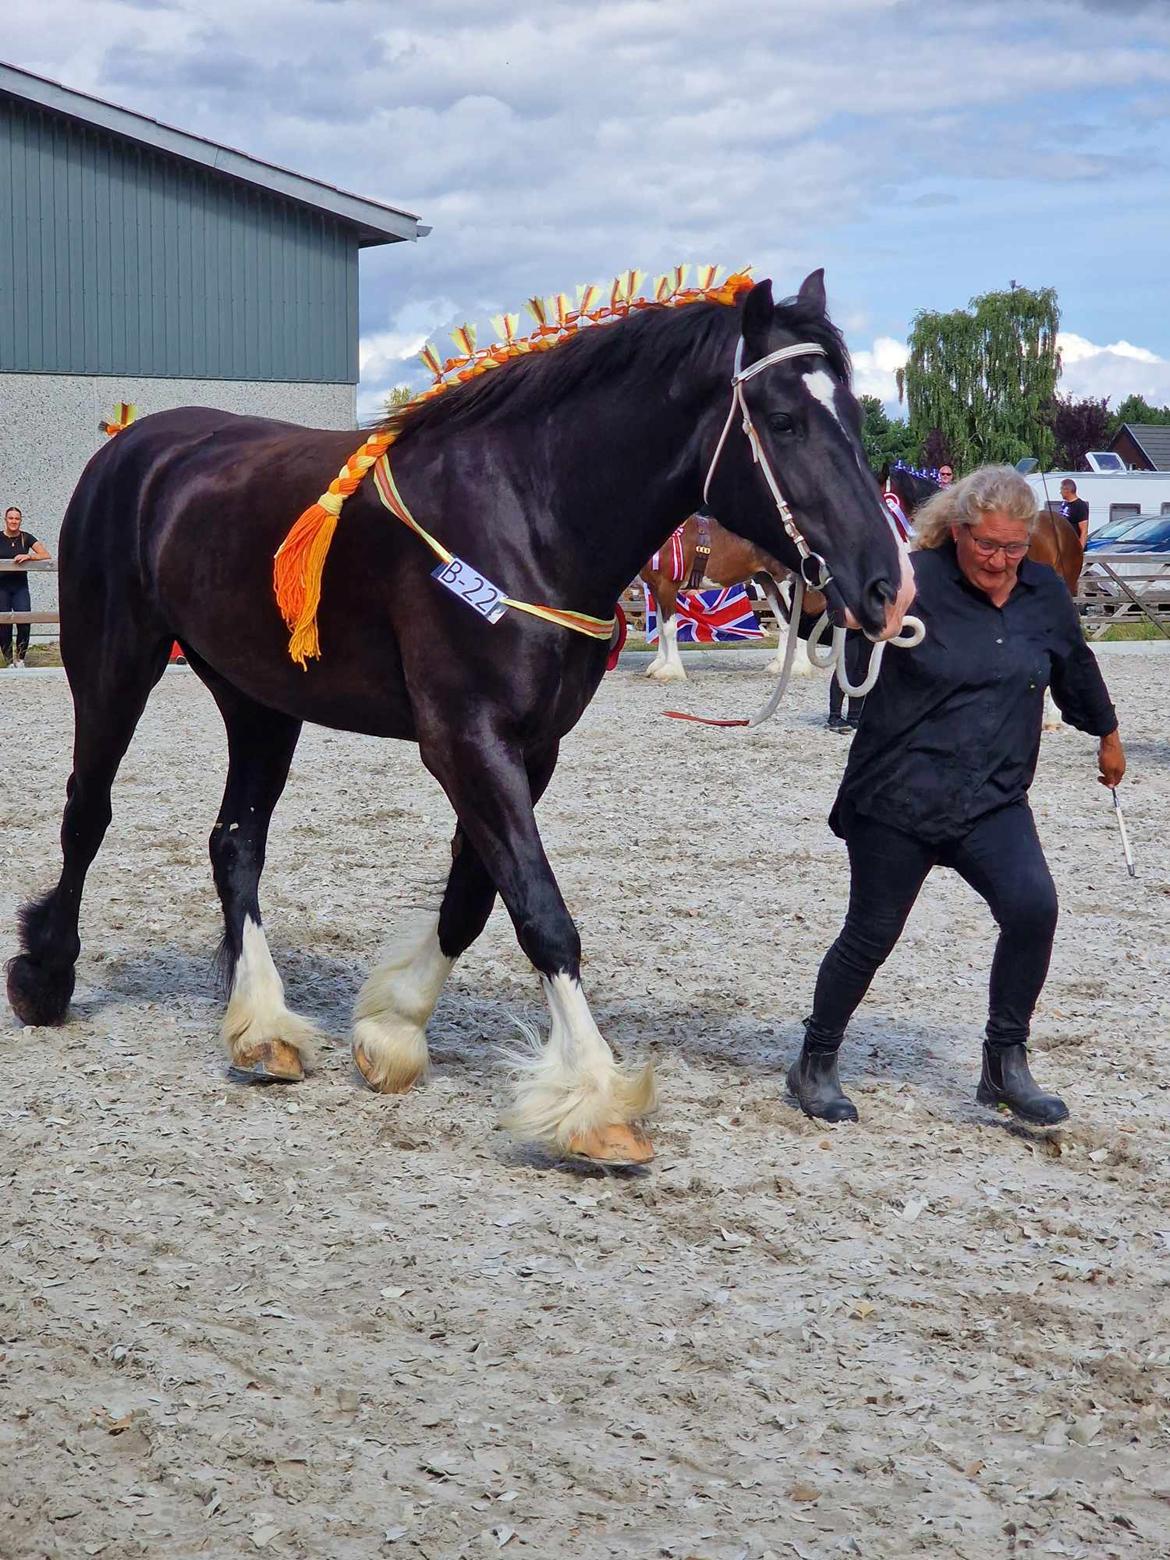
(557, 475)
(708, 553)
(705, 553)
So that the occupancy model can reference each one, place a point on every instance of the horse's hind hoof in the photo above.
(38, 996)
(620, 1146)
(273, 1061)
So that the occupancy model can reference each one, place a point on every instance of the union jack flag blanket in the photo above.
(708, 617)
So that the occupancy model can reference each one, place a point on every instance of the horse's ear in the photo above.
(812, 290)
(758, 309)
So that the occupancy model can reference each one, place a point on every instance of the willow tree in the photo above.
(985, 376)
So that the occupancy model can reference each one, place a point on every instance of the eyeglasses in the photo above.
(946, 472)
(988, 549)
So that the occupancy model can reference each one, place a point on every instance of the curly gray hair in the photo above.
(988, 488)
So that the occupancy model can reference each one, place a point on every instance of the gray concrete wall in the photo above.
(49, 429)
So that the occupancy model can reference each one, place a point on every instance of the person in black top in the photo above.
(939, 771)
(16, 546)
(1074, 509)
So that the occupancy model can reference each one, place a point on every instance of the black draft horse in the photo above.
(557, 476)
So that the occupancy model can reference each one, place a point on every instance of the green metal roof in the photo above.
(373, 221)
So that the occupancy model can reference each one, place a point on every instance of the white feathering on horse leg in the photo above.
(801, 665)
(672, 669)
(256, 1014)
(391, 1012)
(1052, 720)
(572, 1086)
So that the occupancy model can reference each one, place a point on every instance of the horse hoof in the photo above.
(619, 1146)
(273, 1061)
(371, 1080)
(38, 996)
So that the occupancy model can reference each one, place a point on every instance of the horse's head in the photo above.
(806, 428)
(911, 488)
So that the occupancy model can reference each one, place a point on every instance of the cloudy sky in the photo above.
(921, 150)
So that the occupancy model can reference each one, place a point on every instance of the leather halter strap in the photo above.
(814, 569)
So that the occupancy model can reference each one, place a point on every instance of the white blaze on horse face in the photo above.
(823, 388)
(256, 1010)
(392, 1009)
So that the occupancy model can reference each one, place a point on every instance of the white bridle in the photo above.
(913, 630)
(739, 377)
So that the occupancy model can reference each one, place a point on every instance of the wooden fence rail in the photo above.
(46, 566)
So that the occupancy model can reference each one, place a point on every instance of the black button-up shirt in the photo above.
(952, 730)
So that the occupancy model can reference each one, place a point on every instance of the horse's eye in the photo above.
(780, 422)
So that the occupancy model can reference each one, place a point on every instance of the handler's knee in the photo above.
(867, 941)
(1029, 912)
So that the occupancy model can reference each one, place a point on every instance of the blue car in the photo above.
(1147, 534)
(1113, 530)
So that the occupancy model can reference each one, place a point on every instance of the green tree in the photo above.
(1136, 409)
(885, 438)
(935, 451)
(985, 376)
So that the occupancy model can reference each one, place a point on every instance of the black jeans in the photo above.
(857, 653)
(1001, 858)
(14, 597)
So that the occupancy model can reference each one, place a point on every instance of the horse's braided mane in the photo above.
(652, 341)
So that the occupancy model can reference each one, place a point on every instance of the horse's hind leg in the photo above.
(111, 676)
(266, 1043)
(390, 1017)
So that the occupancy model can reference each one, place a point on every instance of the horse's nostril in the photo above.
(883, 592)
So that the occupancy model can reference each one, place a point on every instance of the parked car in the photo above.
(1146, 534)
(1112, 531)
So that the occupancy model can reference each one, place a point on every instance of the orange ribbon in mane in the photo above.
(300, 559)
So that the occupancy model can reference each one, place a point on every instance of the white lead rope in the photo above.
(912, 632)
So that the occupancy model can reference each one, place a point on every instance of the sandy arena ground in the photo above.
(318, 1323)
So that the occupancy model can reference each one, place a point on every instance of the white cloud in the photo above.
(1116, 370)
(875, 369)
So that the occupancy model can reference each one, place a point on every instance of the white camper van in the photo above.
(1110, 489)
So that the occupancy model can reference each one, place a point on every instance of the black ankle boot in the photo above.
(1007, 1081)
(813, 1080)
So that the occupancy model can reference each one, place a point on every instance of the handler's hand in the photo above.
(1111, 759)
(21, 558)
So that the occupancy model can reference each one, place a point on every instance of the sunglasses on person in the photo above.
(986, 548)
(946, 471)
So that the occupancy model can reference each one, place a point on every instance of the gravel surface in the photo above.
(314, 1322)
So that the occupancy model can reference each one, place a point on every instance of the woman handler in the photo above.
(938, 775)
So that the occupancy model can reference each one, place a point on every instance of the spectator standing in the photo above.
(1074, 509)
(16, 546)
(946, 475)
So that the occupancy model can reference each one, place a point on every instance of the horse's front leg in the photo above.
(571, 1094)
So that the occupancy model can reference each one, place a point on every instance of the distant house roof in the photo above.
(373, 222)
(1153, 439)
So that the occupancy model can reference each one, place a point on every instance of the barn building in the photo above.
(141, 264)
